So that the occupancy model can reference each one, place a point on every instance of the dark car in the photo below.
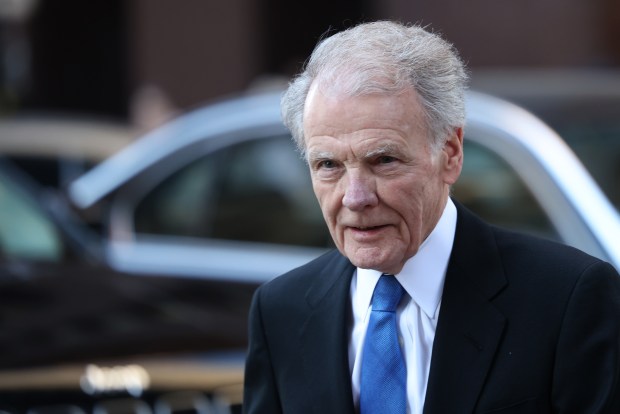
(77, 336)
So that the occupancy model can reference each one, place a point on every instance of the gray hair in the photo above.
(385, 57)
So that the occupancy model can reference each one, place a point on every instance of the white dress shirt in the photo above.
(422, 277)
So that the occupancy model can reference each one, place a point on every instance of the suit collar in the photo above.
(324, 337)
(475, 255)
(335, 271)
(470, 326)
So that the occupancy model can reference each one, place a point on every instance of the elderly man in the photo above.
(423, 308)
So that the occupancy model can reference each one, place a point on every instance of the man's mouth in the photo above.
(367, 229)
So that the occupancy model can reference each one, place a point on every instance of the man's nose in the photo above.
(360, 192)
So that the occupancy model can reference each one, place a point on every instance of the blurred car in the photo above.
(35, 229)
(221, 193)
(55, 149)
(582, 105)
(77, 336)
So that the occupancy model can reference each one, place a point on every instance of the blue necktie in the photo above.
(383, 388)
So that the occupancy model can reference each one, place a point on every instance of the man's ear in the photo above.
(452, 156)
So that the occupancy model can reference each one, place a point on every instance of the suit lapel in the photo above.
(469, 327)
(326, 330)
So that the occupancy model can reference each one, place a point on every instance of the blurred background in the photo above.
(138, 61)
(198, 206)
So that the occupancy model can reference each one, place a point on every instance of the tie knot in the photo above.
(387, 294)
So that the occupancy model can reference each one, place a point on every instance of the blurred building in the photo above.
(142, 60)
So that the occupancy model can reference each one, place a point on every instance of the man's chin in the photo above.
(375, 259)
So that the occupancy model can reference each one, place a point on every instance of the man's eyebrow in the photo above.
(320, 155)
(383, 150)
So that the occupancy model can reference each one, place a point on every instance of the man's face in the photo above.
(379, 185)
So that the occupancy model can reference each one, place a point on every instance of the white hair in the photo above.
(385, 57)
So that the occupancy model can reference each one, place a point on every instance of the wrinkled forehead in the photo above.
(330, 105)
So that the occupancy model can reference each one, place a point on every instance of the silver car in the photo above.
(221, 193)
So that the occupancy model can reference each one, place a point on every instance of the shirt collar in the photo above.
(423, 274)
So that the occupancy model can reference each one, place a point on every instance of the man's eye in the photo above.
(327, 164)
(386, 159)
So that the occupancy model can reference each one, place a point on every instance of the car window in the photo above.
(255, 191)
(493, 190)
(597, 144)
(260, 191)
(25, 232)
(590, 125)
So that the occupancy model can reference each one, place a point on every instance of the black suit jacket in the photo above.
(525, 326)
